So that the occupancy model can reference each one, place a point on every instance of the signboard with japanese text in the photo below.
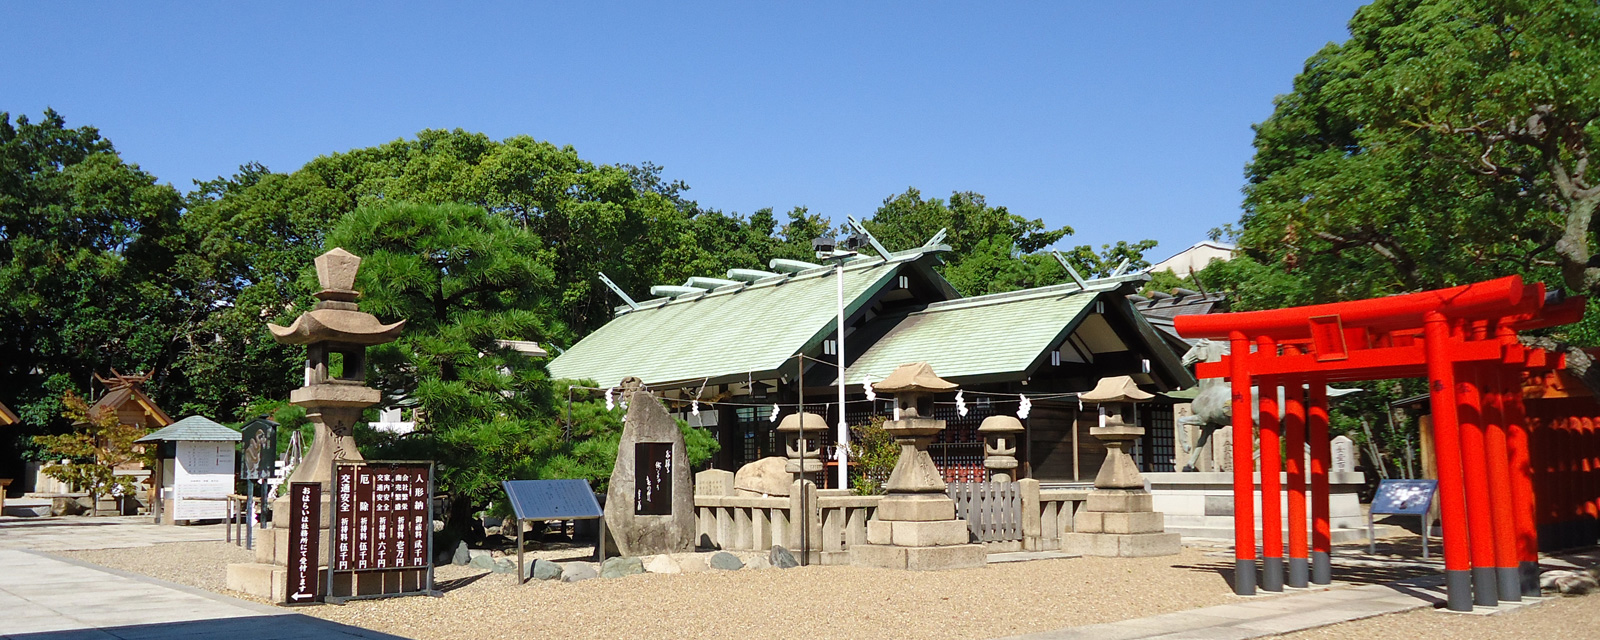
(305, 512)
(1409, 497)
(382, 523)
(203, 470)
(652, 486)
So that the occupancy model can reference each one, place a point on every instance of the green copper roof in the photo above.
(192, 429)
(986, 335)
(733, 330)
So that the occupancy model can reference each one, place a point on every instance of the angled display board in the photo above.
(554, 500)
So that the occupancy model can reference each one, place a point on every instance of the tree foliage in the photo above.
(87, 457)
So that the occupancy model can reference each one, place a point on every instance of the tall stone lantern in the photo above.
(1119, 519)
(916, 525)
(1000, 446)
(336, 334)
(803, 447)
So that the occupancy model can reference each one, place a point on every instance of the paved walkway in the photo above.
(1268, 616)
(48, 597)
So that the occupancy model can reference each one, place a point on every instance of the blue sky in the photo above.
(1123, 120)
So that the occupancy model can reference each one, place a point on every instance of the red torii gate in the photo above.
(1463, 339)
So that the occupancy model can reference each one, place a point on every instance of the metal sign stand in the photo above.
(554, 500)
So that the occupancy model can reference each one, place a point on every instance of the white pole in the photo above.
(843, 455)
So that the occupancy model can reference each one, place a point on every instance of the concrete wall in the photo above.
(1201, 504)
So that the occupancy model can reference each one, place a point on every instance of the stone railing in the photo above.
(837, 519)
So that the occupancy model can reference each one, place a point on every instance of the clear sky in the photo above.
(1124, 120)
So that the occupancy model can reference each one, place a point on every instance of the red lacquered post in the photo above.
(1244, 517)
(1475, 469)
(1271, 483)
(1294, 427)
(1498, 457)
(1321, 461)
(1447, 450)
(1524, 508)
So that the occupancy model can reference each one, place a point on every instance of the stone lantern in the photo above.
(804, 449)
(1000, 446)
(336, 334)
(916, 525)
(1119, 519)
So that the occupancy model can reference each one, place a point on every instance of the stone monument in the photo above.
(1000, 446)
(916, 525)
(650, 506)
(1119, 519)
(1343, 454)
(336, 334)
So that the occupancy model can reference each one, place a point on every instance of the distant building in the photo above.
(1196, 257)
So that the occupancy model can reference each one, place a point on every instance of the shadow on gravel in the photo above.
(270, 627)
(452, 585)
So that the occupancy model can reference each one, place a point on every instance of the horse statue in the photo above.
(1212, 407)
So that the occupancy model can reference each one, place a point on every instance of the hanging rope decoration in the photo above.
(961, 403)
(774, 416)
(1023, 407)
(866, 384)
(611, 402)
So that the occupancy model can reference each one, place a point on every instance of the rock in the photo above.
(544, 570)
(577, 571)
(662, 564)
(726, 561)
(481, 560)
(462, 555)
(781, 558)
(1570, 582)
(756, 561)
(504, 565)
(619, 567)
(638, 534)
(692, 562)
(766, 476)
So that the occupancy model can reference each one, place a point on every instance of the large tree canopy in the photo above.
(1447, 141)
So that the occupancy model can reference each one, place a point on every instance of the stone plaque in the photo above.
(652, 489)
(305, 511)
(1344, 454)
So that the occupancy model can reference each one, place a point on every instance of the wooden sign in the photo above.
(305, 511)
(381, 517)
(652, 486)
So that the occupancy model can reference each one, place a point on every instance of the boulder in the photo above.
(763, 477)
(756, 561)
(646, 429)
(504, 565)
(481, 560)
(577, 571)
(544, 570)
(782, 558)
(692, 562)
(725, 561)
(462, 556)
(619, 567)
(662, 564)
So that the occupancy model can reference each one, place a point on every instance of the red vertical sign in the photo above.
(364, 515)
(305, 512)
(344, 516)
(419, 517)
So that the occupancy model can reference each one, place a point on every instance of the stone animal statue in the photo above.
(1212, 407)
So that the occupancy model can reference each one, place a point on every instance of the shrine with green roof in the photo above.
(736, 343)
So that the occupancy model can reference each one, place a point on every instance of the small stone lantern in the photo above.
(804, 449)
(1119, 518)
(1000, 446)
(915, 526)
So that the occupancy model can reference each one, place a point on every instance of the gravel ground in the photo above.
(196, 564)
(1568, 618)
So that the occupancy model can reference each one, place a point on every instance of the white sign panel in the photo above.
(203, 470)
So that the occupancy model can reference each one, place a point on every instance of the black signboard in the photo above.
(554, 500)
(258, 449)
(1407, 497)
(305, 511)
(652, 478)
(381, 528)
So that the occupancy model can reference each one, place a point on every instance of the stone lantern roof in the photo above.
(336, 318)
(1115, 389)
(914, 377)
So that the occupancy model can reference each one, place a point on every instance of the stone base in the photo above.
(1135, 545)
(917, 534)
(959, 556)
(916, 508)
(261, 580)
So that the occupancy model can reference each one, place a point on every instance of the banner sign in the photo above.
(259, 449)
(305, 512)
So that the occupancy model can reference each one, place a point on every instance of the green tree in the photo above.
(88, 248)
(90, 454)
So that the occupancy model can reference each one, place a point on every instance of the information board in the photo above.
(552, 499)
(381, 517)
(305, 511)
(202, 470)
(1405, 497)
(652, 480)
(259, 449)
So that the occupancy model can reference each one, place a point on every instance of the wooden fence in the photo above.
(993, 510)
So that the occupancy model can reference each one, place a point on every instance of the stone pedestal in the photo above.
(916, 527)
(1119, 519)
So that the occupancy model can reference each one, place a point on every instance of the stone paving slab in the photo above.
(1024, 556)
(47, 597)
